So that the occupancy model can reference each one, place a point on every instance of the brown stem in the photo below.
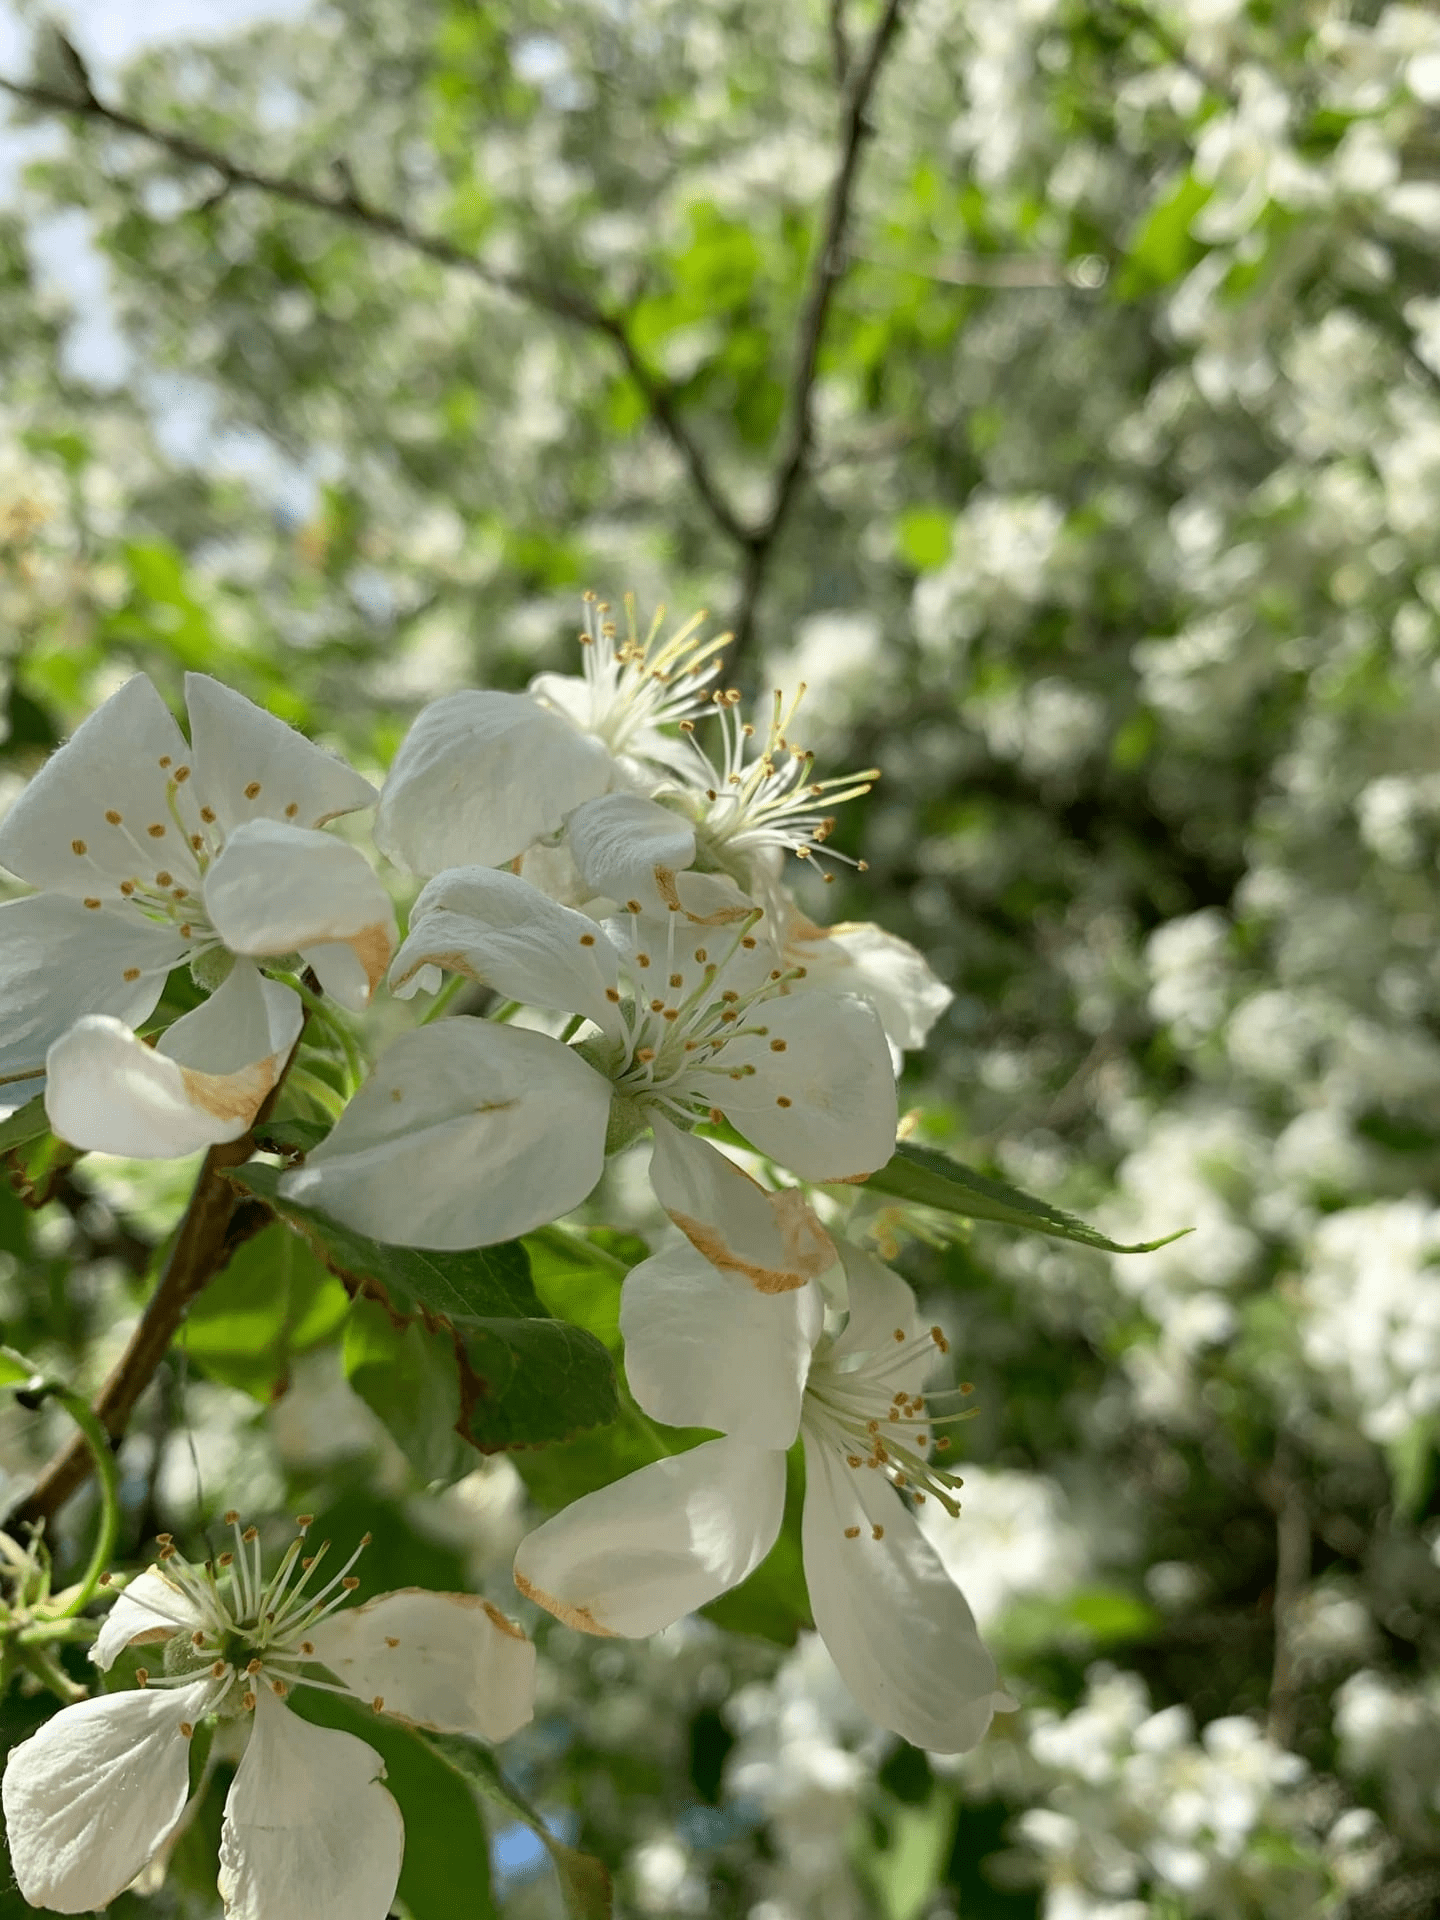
(826, 273)
(201, 1248)
(562, 303)
(196, 1256)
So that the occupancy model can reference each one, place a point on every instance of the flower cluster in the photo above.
(104, 1786)
(605, 855)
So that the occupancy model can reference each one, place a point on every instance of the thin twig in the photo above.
(839, 42)
(562, 303)
(825, 275)
(207, 1234)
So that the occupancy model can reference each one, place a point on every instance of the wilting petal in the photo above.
(817, 1093)
(96, 1792)
(58, 836)
(466, 1133)
(60, 961)
(251, 766)
(502, 931)
(706, 1349)
(772, 1239)
(447, 1661)
(897, 1626)
(309, 1833)
(202, 1084)
(896, 978)
(149, 1610)
(276, 889)
(629, 848)
(480, 776)
(643, 1552)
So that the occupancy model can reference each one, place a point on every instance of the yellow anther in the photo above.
(186, 1729)
(142, 1676)
(252, 792)
(112, 816)
(78, 846)
(852, 1533)
(587, 939)
(156, 830)
(877, 1532)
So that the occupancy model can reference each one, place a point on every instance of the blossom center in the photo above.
(635, 685)
(763, 795)
(246, 1631)
(866, 1407)
(694, 991)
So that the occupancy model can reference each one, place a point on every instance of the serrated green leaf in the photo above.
(521, 1377)
(482, 1281)
(529, 1382)
(933, 1179)
(27, 1123)
(584, 1880)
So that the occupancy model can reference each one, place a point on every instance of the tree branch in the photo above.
(197, 1255)
(826, 273)
(562, 303)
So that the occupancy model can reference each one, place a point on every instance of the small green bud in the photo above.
(211, 969)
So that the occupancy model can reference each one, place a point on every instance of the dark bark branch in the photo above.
(562, 303)
(839, 42)
(826, 273)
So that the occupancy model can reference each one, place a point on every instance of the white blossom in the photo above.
(150, 851)
(309, 1831)
(704, 1348)
(470, 1131)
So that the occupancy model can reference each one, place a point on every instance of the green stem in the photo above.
(30, 1073)
(321, 1010)
(98, 1442)
(442, 999)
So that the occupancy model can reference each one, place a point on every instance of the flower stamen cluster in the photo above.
(766, 798)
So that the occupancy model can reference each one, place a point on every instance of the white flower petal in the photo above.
(896, 978)
(820, 1094)
(309, 1832)
(118, 761)
(251, 766)
(896, 1625)
(466, 1133)
(149, 1610)
(276, 888)
(447, 1661)
(773, 1239)
(96, 1792)
(500, 930)
(480, 776)
(880, 1302)
(629, 848)
(706, 1349)
(202, 1084)
(59, 961)
(643, 1552)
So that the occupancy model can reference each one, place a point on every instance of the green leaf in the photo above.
(529, 1382)
(27, 1123)
(1164, 249)
(519, 1377)
(15, 1369)
(924, 536)
(482, 1280)
(409, 1378)
(290, 1137)
(445, 1874)
(271, 1300)
(933, 1179)
(584, 1880)
(580, 1275)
